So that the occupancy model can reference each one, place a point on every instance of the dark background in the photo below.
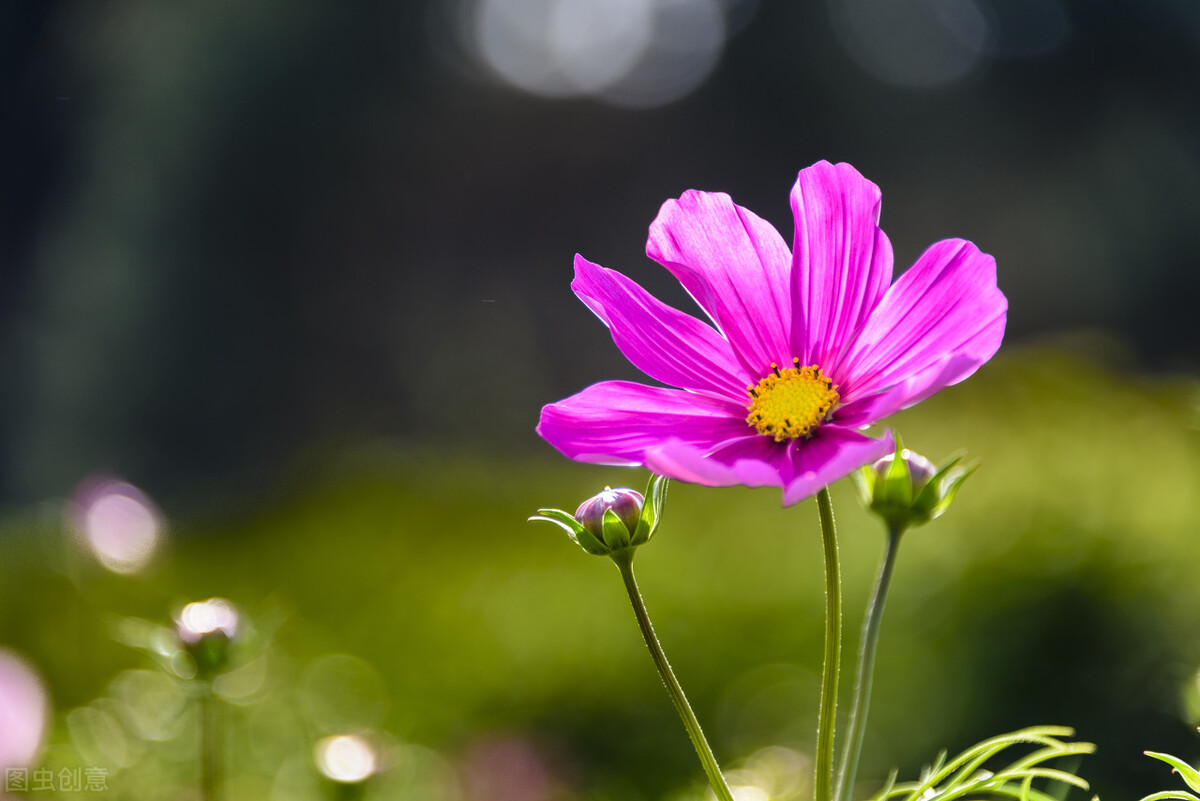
(231, 230)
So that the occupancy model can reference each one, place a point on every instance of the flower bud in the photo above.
(206, 629)
(920, 469)
(906, 489)
(624, 503)
(613, 522)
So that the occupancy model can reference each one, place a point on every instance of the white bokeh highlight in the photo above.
(346, 758)
(206, 617)
(632, 53)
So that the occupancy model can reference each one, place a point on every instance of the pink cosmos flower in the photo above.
(806, 347)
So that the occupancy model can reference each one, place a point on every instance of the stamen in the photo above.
(793, 403)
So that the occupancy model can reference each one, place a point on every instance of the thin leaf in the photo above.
(1186, 771)
(965, 775)
(652, 508)
(1171, 795)
(580, 535)
(559, 518)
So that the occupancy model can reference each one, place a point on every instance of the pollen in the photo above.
(792, 403)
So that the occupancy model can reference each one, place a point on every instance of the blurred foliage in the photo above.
(404, 593)
(975, 774)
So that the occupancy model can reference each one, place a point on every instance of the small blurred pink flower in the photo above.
(807, 346)
(117, 523)
(24, 708)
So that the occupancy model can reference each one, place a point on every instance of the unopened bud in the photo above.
(920, 469)
(906, 489)
(623, 502)
(613, 521)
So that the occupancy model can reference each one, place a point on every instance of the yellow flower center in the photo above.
(792, 403)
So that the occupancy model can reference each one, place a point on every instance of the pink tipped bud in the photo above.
(625, 503)
(920, 469)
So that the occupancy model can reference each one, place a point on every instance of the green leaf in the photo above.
(950, 490)
(864, 482)
(559, 518)
(897, 482)
(588, 542)
(1189, 774)
(616, 533)
(950, 462)
(1171, 795)
(965, 776)
(933, 493)
(652, 509)
(580, 535)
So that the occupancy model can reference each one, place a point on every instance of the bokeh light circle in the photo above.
(633, 53)
(913, 43)
(206, 617)
(346, 758)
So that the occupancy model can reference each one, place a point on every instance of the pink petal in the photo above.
(832, 454)
(736, 266)
(753, 461)
(662, 342)
(616, 422)
(869, 409)
(800, 468)
(935, 326)
(842, 261)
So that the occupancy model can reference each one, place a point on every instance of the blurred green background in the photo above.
(406, 594)
(300, 271)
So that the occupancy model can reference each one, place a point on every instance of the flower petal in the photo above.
(948, 370)
(662, 342)
(753, 461)
(736, 267)
(935, 326)
(616, 422)
(841, 262)
(834, 453)
(799, 467)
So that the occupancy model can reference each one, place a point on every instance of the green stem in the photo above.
(827, 718)
(210, 769)
(624, 563)
(866, 669)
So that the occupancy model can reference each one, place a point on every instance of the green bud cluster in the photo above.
(613, 522)
(906, 489)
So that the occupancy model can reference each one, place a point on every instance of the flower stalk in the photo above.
(624, 563)
(904, 489)
(827, 716)
(615, 523)
(865, 670)
(210, 744)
